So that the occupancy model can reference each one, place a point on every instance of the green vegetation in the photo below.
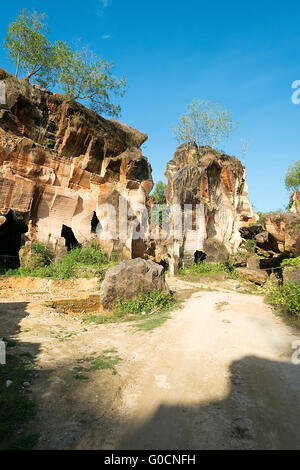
(160, 211)
(79, 74)
(150, 310)
(293, 262)
(145, 303)
(16, 409)
(159, 193)
(250, 246)
(29, 47)
(204, 268)
(292, 179)
(80, 262)
(205, 123)
(286, 297)
(108, 360)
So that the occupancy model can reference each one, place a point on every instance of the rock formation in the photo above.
(213, 184)
(295, 202)
(62, 163)
(283, 232)
(128, 279)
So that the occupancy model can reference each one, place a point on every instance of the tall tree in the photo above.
(292, 179)
(29, 47)
(82, 75)
(205, 123)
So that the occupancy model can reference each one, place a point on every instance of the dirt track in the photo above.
(217, 375)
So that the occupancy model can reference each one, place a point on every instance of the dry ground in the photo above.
(217, 374)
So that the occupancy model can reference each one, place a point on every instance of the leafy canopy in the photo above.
(292, 179)
(80, 74)
(159, 193)
(28, 45)
(205, 123)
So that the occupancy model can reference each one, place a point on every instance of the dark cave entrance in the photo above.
(71, 241)
(11, 239)
(95, 223)
(199, 256)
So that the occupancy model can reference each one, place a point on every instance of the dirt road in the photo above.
(217, 375)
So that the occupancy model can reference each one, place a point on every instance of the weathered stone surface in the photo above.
(215, 251)
(253, 262)
(295, 200)
(285, 230)
(60, 163)
(291, 274)
(128, 279)
(200, 175)
(250, 232)
(253, 275)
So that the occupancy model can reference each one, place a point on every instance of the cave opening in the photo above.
(71, 241)
(11, 239)
(199, 256)
(95, 223)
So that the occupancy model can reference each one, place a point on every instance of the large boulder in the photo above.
(128, 279)
(285, 230)
(254, 275)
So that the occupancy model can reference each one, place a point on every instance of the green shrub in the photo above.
(286, 297)
(250, 246)
(39, 256)
(203, 268)
(147, 303)
(293, 262)
(79, 262)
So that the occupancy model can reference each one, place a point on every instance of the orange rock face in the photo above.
(214, 185)
(60, 162)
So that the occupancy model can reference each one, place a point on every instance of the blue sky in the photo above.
(244, 55)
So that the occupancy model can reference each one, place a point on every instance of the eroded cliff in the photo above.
(213, 187)
(61, 164)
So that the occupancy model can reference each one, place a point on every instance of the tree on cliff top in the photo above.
(205, 123)
(84, 76)
(81, 75)
(292, 179)
(28, 46)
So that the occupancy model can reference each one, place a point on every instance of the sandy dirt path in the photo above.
(216, 376)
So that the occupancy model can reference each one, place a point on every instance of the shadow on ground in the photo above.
(262, 411)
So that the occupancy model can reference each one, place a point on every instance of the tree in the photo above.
(84, 76)
(160, 211)
(292, 179)
(79, 74)
(29, 47)
(205, 123)
(159, 193)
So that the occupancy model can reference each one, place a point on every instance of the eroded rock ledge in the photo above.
(60, 162)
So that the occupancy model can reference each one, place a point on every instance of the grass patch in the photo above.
(150, 310)
(16, 409)
(81, 262)
(107, 360)
(286, 299)
(204, 268)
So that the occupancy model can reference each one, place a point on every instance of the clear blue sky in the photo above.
(244, 55)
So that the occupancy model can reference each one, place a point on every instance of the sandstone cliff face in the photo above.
(60, 163)
(202, 176)
(283, 232)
